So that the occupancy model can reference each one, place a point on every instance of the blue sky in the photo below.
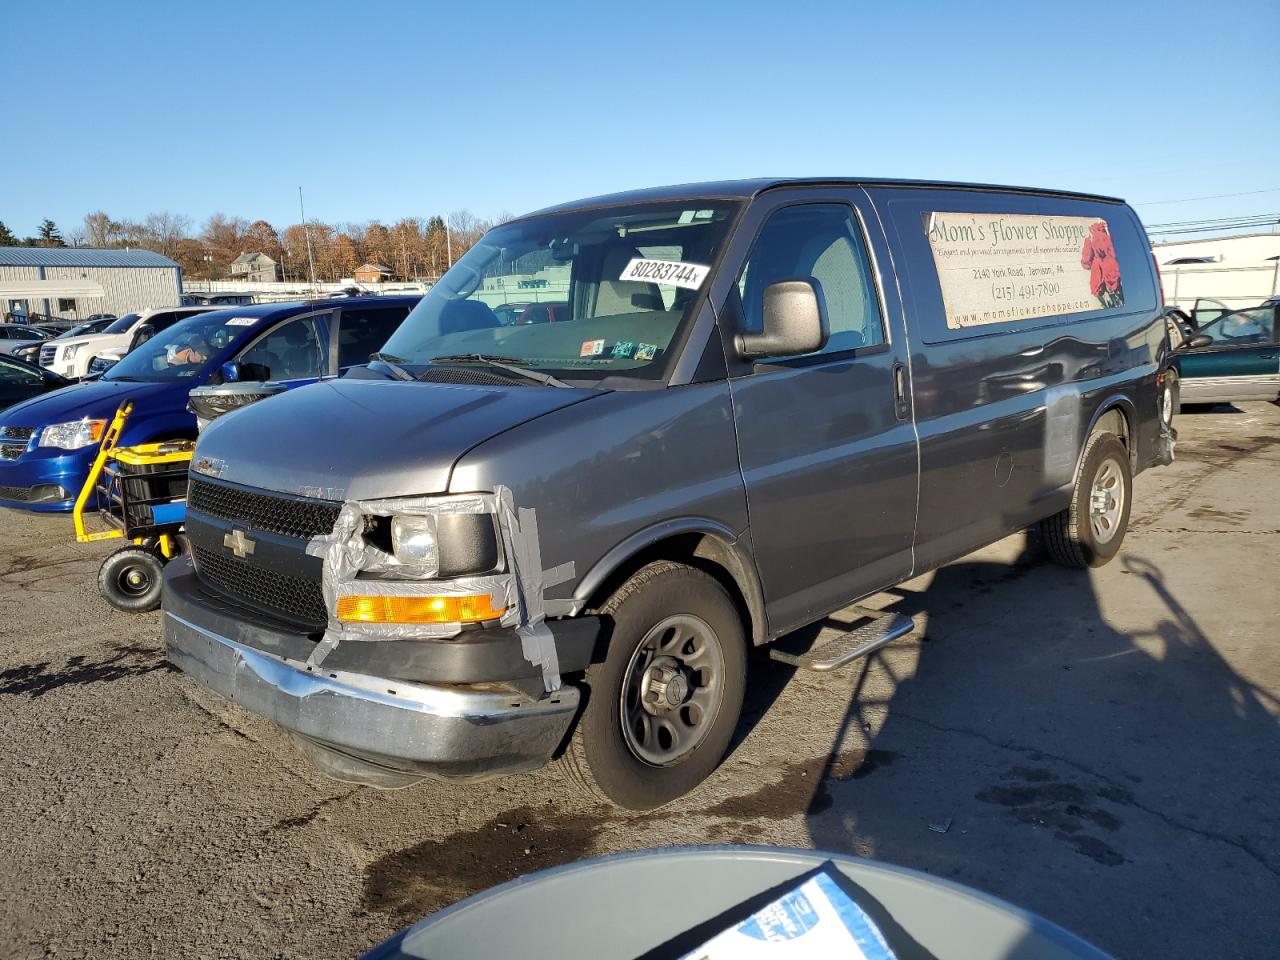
(386, 109)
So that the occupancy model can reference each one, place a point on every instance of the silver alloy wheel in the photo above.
(1106, 501)
(672, 689)
(1166, 407)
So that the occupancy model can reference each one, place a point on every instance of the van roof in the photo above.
(746, 189)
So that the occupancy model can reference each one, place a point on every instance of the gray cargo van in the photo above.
(755, 403)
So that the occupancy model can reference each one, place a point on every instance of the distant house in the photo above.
(257, 267)
(372, 273)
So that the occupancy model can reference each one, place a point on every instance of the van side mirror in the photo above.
(1198, 341)
(795, 321)
(230, 372)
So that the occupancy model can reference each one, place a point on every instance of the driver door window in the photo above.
(292, 351)
(820, 242)
(1243, 328)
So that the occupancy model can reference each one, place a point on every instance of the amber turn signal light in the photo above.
(472, 608)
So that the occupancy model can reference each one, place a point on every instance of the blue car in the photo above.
(47, 444)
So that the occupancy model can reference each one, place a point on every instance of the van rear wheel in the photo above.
(1089, 532)
(662, 707)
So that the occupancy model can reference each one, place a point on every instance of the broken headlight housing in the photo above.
(413, 541)
(443, 545)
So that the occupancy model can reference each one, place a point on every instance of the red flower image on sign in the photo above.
(1099, 257)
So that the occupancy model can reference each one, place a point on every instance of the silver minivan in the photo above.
(754, 404)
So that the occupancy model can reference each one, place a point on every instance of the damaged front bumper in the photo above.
(355, 726)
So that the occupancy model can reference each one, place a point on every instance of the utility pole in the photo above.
(306, 229)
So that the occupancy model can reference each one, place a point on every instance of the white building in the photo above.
(74, 283)
(1238, 271)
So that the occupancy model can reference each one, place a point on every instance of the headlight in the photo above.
(70, 350)
(413, 541)
(72, 435)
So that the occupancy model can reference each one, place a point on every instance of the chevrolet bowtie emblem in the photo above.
(240, 545)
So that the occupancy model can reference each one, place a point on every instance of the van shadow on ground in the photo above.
(1092, 776)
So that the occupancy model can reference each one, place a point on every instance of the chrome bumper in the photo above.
(365, 729)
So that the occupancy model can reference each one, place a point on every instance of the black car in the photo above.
(20, 381)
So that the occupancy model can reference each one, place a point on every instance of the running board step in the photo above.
(883, 628)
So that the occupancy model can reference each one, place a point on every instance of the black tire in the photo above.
(1069, 536)
(129, 579)
(604, 759)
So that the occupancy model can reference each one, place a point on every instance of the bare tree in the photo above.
(100, 230)
(161, 232)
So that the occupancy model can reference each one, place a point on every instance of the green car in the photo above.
(1241, 361)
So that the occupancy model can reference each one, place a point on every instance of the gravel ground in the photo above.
(1100, 748)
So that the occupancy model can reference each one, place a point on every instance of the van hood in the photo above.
(95, 399)
(366, 439)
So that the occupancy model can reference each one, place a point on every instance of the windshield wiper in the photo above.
(389, 360)
(503, 363)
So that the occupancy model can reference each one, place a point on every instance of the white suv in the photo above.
(70, 357)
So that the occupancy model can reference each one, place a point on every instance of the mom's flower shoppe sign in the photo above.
(1001, 268)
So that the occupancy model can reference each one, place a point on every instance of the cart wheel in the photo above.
(129, 579)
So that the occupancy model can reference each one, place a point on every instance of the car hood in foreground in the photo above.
(366, 439)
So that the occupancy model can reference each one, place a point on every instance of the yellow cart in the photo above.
(141, 497)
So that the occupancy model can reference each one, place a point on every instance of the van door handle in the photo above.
(900, 406)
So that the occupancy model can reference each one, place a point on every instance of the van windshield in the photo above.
(582, 295)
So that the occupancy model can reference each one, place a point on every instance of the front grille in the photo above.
(17, 433)
(46, 354)
(17, 494)
(286, 516)
(294, 598)
(12, 451)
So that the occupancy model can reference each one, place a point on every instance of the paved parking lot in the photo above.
(1101, 748)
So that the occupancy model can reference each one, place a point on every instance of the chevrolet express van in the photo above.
(499, 545)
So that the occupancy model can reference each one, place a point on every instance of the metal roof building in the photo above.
(63, 283)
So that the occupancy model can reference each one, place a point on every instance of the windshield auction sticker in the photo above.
(996, 268)
(673, 272)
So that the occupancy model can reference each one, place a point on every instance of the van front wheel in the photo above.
(1089, 532)
(662, 707)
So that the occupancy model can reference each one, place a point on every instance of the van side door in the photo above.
(1008, 376)
(825, 440)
